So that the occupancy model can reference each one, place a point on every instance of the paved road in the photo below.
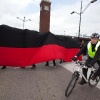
(42, 83)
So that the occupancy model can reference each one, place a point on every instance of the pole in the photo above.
(81, 12)
(64, 32)
(23, 22)
(80, 20)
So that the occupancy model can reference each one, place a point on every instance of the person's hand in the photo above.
(74, 58)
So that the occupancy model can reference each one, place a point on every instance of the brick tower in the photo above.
(45, 7)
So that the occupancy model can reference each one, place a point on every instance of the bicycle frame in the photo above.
(79, 70)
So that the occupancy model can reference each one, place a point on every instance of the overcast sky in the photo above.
(62, 22)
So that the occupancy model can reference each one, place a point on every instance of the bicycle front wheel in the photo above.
(72, 84)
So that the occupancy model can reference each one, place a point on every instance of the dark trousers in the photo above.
(85, 70)
(47, 63)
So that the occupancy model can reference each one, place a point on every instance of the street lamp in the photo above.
(81, 12)
(23, 20)
(64, 33)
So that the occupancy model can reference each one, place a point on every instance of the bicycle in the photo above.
(75, 77)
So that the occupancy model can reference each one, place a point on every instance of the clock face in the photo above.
(46, 8)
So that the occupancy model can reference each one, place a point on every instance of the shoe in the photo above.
(60, 61)
(22, 67)
(33, 67)
(93, 77)
(4, 67)
(82, 82)
(46, 65)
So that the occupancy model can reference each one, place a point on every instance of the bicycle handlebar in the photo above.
(83, 64)
(79, 62)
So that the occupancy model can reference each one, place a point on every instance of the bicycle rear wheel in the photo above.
(93, 83)
(72, 84)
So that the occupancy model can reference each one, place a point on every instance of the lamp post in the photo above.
(64, 33)
(23, 20)
(81, 12)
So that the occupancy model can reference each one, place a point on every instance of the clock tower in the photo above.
(45, 7)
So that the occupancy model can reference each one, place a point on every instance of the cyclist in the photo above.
(93, 55)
